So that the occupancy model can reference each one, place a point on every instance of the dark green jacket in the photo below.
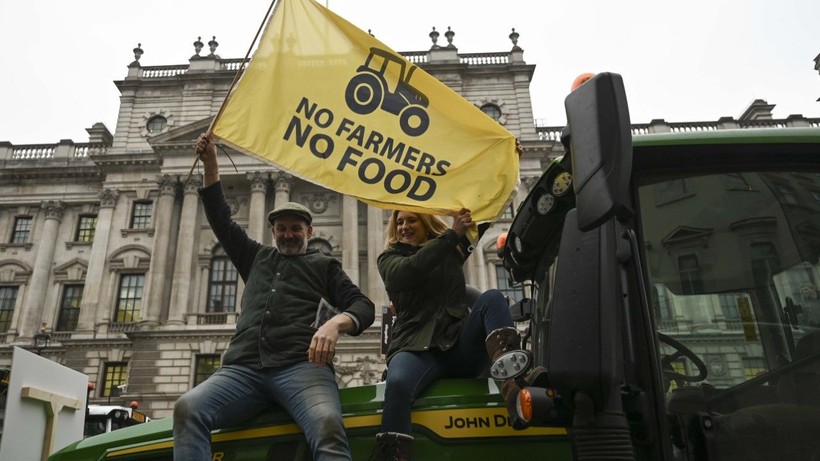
(281, 293)
(426, 286)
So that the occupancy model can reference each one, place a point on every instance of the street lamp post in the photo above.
(41, 340)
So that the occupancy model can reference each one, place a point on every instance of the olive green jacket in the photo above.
(426, 286)
(281, 294)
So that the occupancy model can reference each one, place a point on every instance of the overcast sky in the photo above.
(681, 61)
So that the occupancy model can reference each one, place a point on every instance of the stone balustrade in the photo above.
(63, 149)
(484, 59)
(211, 318)
(553, 133)
(164, 71)
(415, 57)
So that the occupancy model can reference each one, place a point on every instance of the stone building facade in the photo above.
(105, 250)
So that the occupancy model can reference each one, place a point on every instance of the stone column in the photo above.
(481, 266)
(470, 272)
(283, 183)
(41, 273)
(97, 263)
(184, 262)
(350, 237)
(375, 245)
(158, 271)
(202, 296)
(257, 215)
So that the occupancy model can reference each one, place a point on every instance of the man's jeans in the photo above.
(411, 372)
(236, 393)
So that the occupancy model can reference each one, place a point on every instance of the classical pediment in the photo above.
(182, 137)
(73, 270)
(685, 236)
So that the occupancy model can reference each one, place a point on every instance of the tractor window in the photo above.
(734, 278)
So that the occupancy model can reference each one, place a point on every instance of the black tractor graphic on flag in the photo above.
(369, 89)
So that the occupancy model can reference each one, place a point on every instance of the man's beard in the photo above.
(291, 247)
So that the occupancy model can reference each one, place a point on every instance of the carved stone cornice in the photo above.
(108, 198)
(167, 184)
(283, 182)
(259, 181)
(193, 184)
(53, 209)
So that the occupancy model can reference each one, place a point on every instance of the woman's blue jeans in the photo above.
(235, 393)
(410, 373)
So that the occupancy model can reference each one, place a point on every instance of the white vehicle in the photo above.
(106, 418)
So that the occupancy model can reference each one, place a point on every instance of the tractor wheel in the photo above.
(414, 120)
(364, 94)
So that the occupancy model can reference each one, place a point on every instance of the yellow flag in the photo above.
(329, 103)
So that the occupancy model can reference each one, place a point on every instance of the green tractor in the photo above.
(675, 312)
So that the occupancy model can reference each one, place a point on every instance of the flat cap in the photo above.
(291, 208)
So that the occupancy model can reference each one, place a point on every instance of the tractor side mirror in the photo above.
(600, 146)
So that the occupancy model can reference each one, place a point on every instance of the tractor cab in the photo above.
(677, 315)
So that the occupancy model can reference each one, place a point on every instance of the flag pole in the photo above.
(233, 83)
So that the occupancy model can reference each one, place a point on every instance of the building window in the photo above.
(85, 228)
(691, 281)
(678, 366)
(731, 313)
(141, 215)
(492, 110)
(515, 293)
(669, 191)
(22, 229)
(116, 374)
(765, 262)
(222, 286)
(70, 308)
(753, 366)
(129, 299)
(8, 297)
(206, 365)
(509, 213)
(156, 124)
(663, 310)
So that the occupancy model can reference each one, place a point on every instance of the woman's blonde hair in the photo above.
(434, 225)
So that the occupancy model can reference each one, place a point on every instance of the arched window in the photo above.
(492, 110)
(156, 124)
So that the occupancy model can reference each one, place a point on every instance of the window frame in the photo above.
(506, 288)
(141, 220)
(85, 234)
(121, 369)
(7, 305)
(16, 232)
(200, 360)
(222, 284)
(136, 308)
(151, 121)
(63, 316)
